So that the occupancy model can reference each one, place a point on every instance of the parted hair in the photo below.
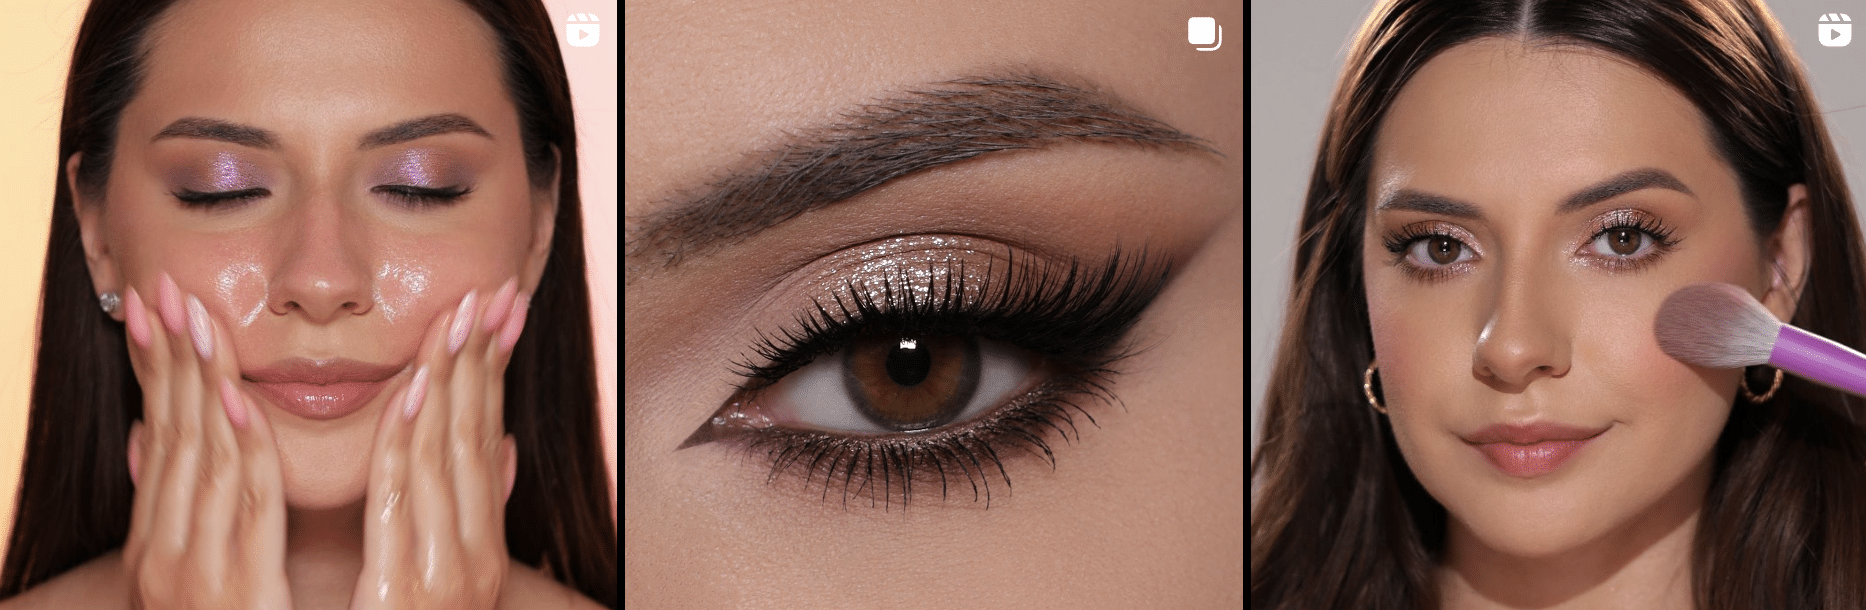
(1339, 521)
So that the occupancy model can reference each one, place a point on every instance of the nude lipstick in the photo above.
(320, 389)
(1531, 450)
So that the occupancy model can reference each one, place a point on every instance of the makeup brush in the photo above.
(1721, 326)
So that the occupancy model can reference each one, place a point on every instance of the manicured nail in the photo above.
(463, 323)
(230, 398)
(136, 318)
(417, 392)
(169, 305)
(200, 328)
(515, 323)
(499, 306)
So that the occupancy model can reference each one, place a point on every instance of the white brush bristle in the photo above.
(1717, 326)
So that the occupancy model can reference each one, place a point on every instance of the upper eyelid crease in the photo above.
(903, 134)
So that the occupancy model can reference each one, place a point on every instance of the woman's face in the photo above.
(327, 264)
(1540, 305)
(1144, 510)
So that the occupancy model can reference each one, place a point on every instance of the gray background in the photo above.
(1296, 53)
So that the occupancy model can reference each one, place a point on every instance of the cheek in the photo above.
(1642, 381)
(1418, 343)
(402, 285)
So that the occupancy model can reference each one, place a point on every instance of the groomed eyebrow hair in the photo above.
(874, 143)
(255, 137)
(1620, 184)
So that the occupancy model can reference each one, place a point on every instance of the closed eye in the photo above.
(409, 195)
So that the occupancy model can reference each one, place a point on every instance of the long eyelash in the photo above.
(1658, 230)
(1076, 318)
(1071, 315)
(1399, 241)
(422, 197)
(973, 451)
(408, 195)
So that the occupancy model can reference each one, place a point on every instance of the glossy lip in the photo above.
(1531, 450)
(321, 389)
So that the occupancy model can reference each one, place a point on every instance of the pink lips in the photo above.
(1531, 450)
(321, 389)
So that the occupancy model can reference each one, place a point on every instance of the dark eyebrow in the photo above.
(874, 143)
(1625, 182)
(247, 135)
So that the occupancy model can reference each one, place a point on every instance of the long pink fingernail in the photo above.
(515, 323)
(463, 322)
(136, 318)
(170, 304)
(230, 398)
(417, 392)
(202, 330)
(499, 306)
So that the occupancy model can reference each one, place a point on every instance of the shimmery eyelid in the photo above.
(224, 171)
(421, 167)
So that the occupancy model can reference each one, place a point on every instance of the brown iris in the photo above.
(911, 383)
(1444, 250)
(1624, 242)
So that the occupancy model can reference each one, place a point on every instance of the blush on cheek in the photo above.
(399, 286)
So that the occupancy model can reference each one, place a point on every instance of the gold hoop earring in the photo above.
(1743, 384)
(1367, 386)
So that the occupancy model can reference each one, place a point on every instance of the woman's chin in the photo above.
(325, 468)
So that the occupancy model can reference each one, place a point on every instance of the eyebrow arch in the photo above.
(1623, 183)
(255, 137)
(873, 143)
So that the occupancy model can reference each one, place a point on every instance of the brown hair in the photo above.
(1339, 520)
(75, 493)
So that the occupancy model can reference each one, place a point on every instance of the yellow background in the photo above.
(36, 37)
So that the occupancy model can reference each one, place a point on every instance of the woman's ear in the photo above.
(97, 256)
(1787, 255)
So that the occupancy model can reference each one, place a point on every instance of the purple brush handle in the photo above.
(1819, 359)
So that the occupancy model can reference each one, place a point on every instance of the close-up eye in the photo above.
(937, 378)
(1438, 251)
(1632, 239)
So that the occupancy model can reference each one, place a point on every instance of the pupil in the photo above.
(908, 363)
(1442, 251)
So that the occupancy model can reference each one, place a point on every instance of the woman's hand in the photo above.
(208, 527)
(434, 523)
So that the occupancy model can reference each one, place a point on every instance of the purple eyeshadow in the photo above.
(422, 168)
(225, 171)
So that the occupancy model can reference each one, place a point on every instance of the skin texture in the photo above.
(325, 266)
(1145, 511)
(1536, 327)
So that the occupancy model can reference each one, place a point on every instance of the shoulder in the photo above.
(90, 585)
(526, 587)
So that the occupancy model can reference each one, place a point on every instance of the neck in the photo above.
(1643, 563)
(323, 554)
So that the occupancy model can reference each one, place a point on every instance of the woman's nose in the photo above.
(323, 269)
(1525, 337)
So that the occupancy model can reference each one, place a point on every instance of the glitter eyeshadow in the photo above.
(225, 171)
(422, 168)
